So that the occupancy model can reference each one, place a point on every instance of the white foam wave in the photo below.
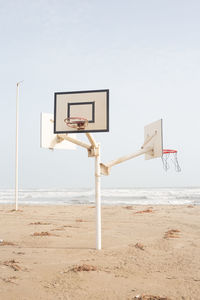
(143, 196)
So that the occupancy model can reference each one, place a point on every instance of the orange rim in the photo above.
(165, 151)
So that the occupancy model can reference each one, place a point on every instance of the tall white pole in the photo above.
(98, 199)
(16, 153)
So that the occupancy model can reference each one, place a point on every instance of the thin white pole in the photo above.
(98, 200)
(16, 153)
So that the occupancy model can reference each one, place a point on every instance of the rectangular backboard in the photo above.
(92, 105)
(47, 136)
(153, 137)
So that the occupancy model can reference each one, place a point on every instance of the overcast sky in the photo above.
(147, 53)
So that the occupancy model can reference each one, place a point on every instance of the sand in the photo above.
(48, 252)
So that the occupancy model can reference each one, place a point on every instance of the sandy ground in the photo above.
(49, 253)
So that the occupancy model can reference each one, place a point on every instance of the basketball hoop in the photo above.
(169, 153)
(76, 122)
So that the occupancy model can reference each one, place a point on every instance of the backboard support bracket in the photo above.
(93, 148)
(74, 141)
(105, 168)
(148, 139)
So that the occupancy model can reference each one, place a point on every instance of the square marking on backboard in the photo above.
(79, 109)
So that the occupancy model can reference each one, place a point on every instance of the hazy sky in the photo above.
(147, 53)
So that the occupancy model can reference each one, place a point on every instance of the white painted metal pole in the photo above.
(16, 152)
(98, 200)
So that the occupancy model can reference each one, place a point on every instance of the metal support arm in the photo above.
(91, 140)
(148, 139)
(93, 148)
(105, 168)
(74, 141)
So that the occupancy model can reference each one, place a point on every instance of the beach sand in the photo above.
(48, 252)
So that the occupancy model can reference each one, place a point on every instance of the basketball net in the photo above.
(170, 155)
(79, 123)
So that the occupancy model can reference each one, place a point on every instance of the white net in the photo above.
(170, 157)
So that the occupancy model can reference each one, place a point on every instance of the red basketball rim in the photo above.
(165, 151)
(76, 122)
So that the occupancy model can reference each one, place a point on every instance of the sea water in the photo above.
(123, 196)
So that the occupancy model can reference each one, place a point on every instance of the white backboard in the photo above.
(91, 105)
(47, 136)
(153, 137)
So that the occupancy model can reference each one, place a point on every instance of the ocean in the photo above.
(123, 196)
